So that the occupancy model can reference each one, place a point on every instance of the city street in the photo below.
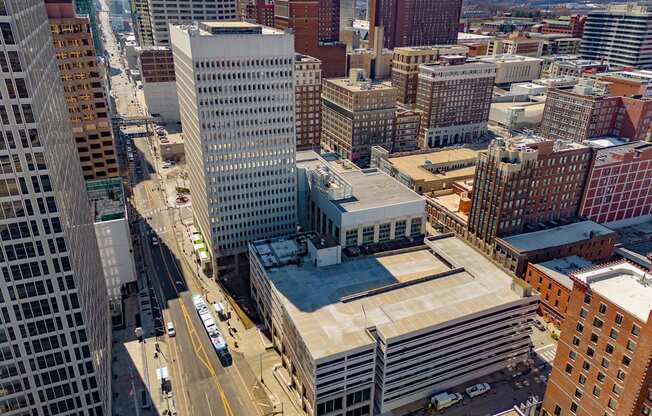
(200, 384)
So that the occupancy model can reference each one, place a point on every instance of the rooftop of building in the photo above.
(508, 57)
(458, 63)
(224, 27)
(354, 85)
(557, 236)
(332, 307)
(561, 269)
(360, 189)
(635, 239)
(107, 199)
(299, 57)
(606, 141)
(623, 284)
(529, 142)
(417, 165)
(451, 202)
(473, 37)
(615, 154)
(416, 50)
(642, 76)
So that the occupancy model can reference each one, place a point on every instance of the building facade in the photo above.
(525, 181)
(587, 112)
(55, 330)
(620, 35)
(142, 23)
(86, 8)
(307, 73)
(414, 22)
(316, 26)
(84, 89)
(159, 82)
(515, 68)
(455, 98)
(601, 361)
(398, 348)
(618, 184)
(357, 113)
(405, 67)
(242, 174)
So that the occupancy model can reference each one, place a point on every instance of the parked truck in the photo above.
(444, 400)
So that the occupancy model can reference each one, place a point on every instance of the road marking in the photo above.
(208, 403)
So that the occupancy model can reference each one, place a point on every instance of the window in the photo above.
(583, 313)
(630, 345)
(626, 360)
(609, 349)
(579, 327)
(605, 363)
(594, 337)
(615, 389)
(613, 334)
(367, 235)
(620, 375)
(602, 308)
(578, 393)
(636, 330)
(612, 404)
(351, 237)
(573, 407)
(557, 411)
(572, 355)
(383, 232)
(569, 369)
(7, 35)
(399, 229)
(587, 298)
(596, 391)
(618, 319)
(597, 322)
(576, 341)
(415, 227)
(582, 379)
(586, 366)
(600, 377)
(590, 352)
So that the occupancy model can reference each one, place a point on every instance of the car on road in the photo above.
(154, 241)
(444, 400)
(539, 325)
(171, 331)
(477, 389)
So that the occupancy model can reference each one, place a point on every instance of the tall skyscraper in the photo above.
(316, 26)
(307, 74)
(86, 8)
(415, 22)
(55, 339)
(235, 82)
(620, 35)
(142, 22)
(83, 86)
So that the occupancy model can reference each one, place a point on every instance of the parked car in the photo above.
(154, 241)
(444, 400)
(171, 330)
(539, 325)
(477, 390)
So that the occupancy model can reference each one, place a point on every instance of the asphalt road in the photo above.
(201, 385)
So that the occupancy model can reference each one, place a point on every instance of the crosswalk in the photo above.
(547, 352)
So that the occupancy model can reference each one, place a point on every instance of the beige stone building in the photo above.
(84, 90)
(357, 113)
(307, 74)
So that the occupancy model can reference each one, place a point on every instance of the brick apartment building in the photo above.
(307, 74)
(405, 67)
(587, 239)
(415, 22)
(259, 11)
(628, 83)
(552, 280)
(618, 186)
(357, 113)
(455, 98)
(573, 25)
(586, 112)
(84, 88)
(602, 364)
(523, 184)
(316, 26)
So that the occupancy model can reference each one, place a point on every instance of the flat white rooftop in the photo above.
(553, 237)
(623, 284)
(398, 293)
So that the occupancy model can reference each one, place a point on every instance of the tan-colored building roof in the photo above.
(412, 165)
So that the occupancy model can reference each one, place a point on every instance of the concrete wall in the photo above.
(116, 252)
(161, 98)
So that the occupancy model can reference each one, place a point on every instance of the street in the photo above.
(200, 385)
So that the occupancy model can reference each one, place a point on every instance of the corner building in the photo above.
(236, 87)
(602, 365)
(55, 334)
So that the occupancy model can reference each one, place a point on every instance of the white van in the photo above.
(444, 400)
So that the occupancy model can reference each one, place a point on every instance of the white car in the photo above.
(171, 331)
(477, 390)
(154, 241)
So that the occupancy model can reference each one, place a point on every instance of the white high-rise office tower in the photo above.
(235, 83)
(162, 13)
(55, 339)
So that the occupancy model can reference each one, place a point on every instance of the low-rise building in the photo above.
(427, 171)
(448, 211)
(553, 282)
(378, 68)
(159, 83)
(517, 43)
(628, 83)
(606, 342)
(634, 240)
(357, 113)
(571, 66)
(514, 68)
(171, 147)
(406, 130)
(478, 44)
(517, 115)
(366, 335)
(355, 206)
(586, 239)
